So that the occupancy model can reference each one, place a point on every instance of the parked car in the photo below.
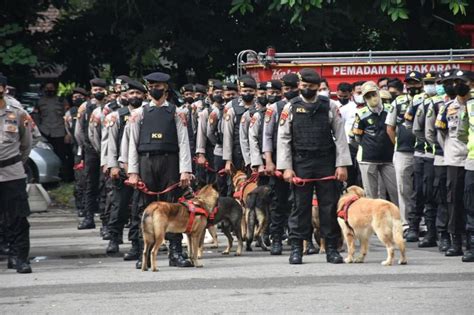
(43, 164)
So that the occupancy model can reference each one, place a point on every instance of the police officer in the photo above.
(280, 206)
(312, 144)
(466, 134)
(455, 154)
(403, 160)
(187, 92)
(79, 96)
(159, 153)
(90, 153)
(15, 147)
(232, 152)
(122, 195)
(376, 148)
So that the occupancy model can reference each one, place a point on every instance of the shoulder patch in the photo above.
(268, 115)
(283, 117)
(253, 120)
(183, 118)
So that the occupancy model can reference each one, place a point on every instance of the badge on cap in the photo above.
(459, 73)
(412, 75)
(241, 84)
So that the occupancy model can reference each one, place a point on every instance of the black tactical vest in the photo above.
(191, 134)
(158, 134)
(280, 105)
(114, 105)
(124, 114)
(376, 144)
(238, 112)
(262, 112)
(85, 122)
(218, 131)
(405, 138)
(310, 126)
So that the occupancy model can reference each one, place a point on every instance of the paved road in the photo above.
(72, 275)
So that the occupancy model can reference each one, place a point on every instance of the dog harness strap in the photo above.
(212, 216)
(344, 212)
(193, 210)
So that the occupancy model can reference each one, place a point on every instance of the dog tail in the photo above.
(397, 232)
(147, 226)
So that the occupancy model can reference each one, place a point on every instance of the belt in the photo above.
(154, 153)
(10, 161)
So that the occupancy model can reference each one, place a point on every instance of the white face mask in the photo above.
(429, 89)
(358, 98)
(324, 93)
(374, 101)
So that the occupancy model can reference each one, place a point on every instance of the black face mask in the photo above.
(124, 101)
(99, 96)
(248, 97)
(262, 100)
(343, 101)
(308, 93)
(49, 93)
(461, 89)
(218, 99)
(157, 93)
(189, 100)
(78, 101)
(228, 99)
(449, 89)
(135, 101)
(273, 98)
(394, 95)
(412, 91)
(291, 94)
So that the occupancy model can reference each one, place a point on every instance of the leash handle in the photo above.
(144, 189)
(297, 181)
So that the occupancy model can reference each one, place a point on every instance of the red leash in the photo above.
(297, 181)
(144, 189)
(210, 169)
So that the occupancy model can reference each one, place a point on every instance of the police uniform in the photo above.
(188, 105)
(376, 148)
(159, 153)
(280, 206)
(403, 160)
(455, 154)
(312, 143)
(466, 134)
(115, 124)
(15, 147)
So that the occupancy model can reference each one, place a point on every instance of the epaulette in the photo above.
(364, 112)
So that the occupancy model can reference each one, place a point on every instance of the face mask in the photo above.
(99, 96)
(135, 101)
(430, 89)
(248, 97)
(124, 101)
(78, 101)
(273, 98)
(343, 101)
(414, 91)
(291, 94)
(440, 89)
(374, 101)
(157, 93)
(218, 99)
(262, 100)
(324, 93)
(49, 93)
(188, 100)
(394, 95)
(308, 93)
(228, 99)
(461, 89)
(449, 89)
(359, 99)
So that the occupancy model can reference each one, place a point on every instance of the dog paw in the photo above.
(199, 265)
(386, 263)
(359, 260)
(402, 262)
(155, 269)
(249, 249)
(348, 260)
(226, 252)
(237, 254)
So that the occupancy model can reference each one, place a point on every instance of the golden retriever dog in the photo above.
(162, 217)
(366, 216)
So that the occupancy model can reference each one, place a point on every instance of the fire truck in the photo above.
(351, 66)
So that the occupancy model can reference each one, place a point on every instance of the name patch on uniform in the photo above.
(157, 135)
(301, 110)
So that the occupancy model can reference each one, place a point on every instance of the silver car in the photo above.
(43, 164)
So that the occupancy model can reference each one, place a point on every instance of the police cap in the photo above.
(274, 84)
(135, 85)
(247, 81)
(261, 86)
(200, 88)
(290, 79)
(229, 87)
(98, 82)
(309, 75)
(189, 87)
(156, 77)
(413, 76)
(79, 90)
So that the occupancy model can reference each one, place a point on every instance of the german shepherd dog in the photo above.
(258, 213)
(366, 216)
(162, 217)
(241, 191)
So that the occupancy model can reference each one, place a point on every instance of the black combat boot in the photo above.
(311, 250)
(413, 234)
(23, 266)
(277, 246)
(175, 256)
(469, 254)
(332, 255)
(4, 249)
(113, 247)
(296, 255)
(133, 253)
(81, 213)
(456, 246)
(88, 222)
(429, 240)
(104, 232)
(444, 241)
(12, 262)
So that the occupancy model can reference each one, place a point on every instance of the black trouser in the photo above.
(221, 179)
(328, 192)
(440, 194)
(429, 200)
(280, 207)
(455, 198)
(414, 215)
(353, 172)
(134, 231)
(92, 174)
(159, 172)
(106, 198)
(122, 198)
(469, 201)
(79, 186)
(15, 210)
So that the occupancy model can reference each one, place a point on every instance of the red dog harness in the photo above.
(212, 216)
(193, 210)
(344, 212)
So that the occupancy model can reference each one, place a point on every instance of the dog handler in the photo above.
(159, 153)
(312, 144)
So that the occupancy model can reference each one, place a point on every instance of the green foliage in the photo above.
(65, 89)
(11, 52)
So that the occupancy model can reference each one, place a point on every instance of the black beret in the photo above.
(218, 85)
(413, 76)
(79, 90)
(200, 88)
(464, 75)
(448, 74)
(290, 79)
(274, 84)
(261, 85)
(98, 82)
(247, 81)
(135, 85)
(229, 87)
(309, 75)
(3, 80)
(157, 77)
(430, 76)
(189, 87)
(121, 78)
(212, 82)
